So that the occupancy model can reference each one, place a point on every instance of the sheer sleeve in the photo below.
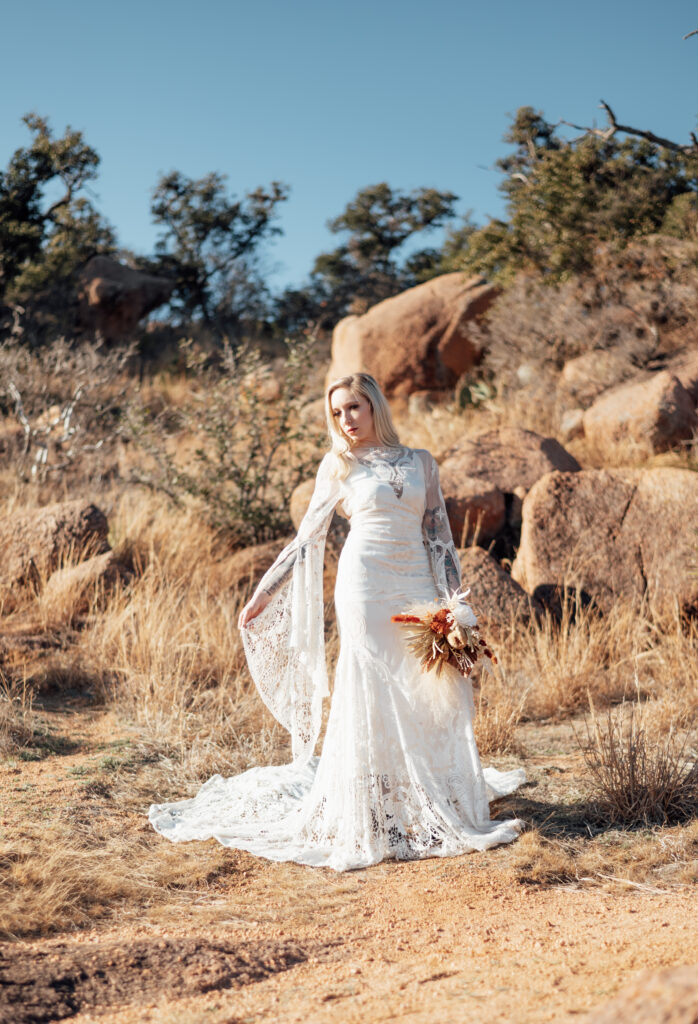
(285, 644)
(436, 531)
(313, 527)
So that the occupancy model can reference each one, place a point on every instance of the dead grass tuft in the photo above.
(64, 875)
(16, 715)
(498, 710)
(613, 859)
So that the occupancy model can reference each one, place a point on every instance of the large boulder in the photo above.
(476, 509)
(34, 543)
(113, 298)
(625, 534)
(657, 413)
(667, 996)
(419, 340)
(498, 600)
(585, 377)
(509, 460)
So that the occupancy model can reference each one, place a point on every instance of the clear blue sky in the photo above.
(330, 96)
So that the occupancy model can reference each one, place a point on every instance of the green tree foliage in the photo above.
(209, 244)
(42, 243)
(566, 195)
(367, 267)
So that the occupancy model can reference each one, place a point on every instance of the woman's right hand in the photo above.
(253, 608)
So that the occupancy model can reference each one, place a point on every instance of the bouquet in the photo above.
(446, 633)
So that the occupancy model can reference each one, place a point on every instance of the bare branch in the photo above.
(57, 205)
(689, 34)
(614, 126)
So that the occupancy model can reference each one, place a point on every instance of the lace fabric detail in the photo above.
(399, 775)
(388, 463)
(436, 531)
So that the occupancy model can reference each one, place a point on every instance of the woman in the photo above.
(399, 775)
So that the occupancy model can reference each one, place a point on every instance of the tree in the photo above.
(566, 195)
(367, 268)
(209, 245)
(42, 245)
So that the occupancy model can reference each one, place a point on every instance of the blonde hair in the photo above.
(367, 386)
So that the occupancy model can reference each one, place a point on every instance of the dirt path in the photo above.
(456, 940)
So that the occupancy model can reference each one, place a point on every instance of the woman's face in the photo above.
(353, 415)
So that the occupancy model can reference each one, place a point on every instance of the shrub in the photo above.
(639, 777)
(251, 444)
(66, 401)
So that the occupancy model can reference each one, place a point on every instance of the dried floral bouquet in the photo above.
(441, 634)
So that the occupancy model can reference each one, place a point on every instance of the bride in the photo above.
(399, 774)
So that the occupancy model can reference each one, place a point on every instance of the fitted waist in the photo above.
(403, 526)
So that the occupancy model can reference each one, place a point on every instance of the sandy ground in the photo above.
(457, 939)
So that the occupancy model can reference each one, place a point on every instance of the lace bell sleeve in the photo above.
(436, 532)
(313, 527)
(285, 643)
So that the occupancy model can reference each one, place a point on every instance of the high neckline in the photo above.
(374, 447)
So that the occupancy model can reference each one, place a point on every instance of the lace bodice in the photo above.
(393, 465)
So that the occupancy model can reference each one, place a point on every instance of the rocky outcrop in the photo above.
(615, 533)
(498, 600)
(419, 340)
(667, 996)
(34, 543)
(113, 298)
(657, 413)
(508, 460)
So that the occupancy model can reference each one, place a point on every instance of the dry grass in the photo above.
(612, 859)
(498, 710)
(168, 650)
(68, 872)
(16, 715)
(559, 663)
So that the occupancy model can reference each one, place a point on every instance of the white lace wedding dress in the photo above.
(399, 774)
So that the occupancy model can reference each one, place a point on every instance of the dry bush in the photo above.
(63, 404)
(640, 774)
(637, 304)
(237, 445)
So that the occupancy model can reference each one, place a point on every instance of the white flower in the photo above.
(461, 610)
